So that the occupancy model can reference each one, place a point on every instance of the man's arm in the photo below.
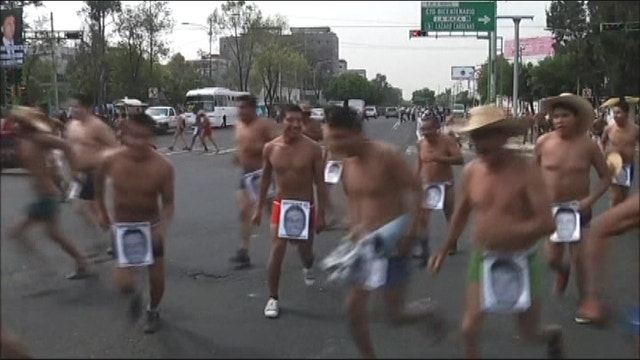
(419, 160)
(267, 169)
(411, 190)
(600, 164)
(106, 136)
(167, 194)
(52, 141)
(318, 174)
(461, 213)
(604, 140)
(454, 152)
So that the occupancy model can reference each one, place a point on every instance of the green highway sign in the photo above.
(458, 16)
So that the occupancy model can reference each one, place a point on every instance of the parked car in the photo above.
(391, 112)
(165, 118)
(317, 114)
(370, 112)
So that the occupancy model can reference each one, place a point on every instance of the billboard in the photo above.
(12, 49)
(462, 73)
(541, 46)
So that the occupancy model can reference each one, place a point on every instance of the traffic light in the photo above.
(417, 33)
(611, 26)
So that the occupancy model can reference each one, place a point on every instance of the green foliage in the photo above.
(423, 97)
(353, 86)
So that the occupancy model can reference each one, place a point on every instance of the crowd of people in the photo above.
(290, 171)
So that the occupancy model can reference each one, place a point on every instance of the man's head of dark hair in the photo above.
(343, 118)
(291, 109)
(142, 119)
(84, 100)
(249, 100)
(623, 104)
(565, 106)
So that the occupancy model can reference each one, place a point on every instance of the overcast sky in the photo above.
(373, 35)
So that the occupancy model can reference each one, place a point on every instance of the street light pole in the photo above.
(516, 58)
(210, 52)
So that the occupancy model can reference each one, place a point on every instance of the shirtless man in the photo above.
(507, 194)
(565, 157)
(197, 134)
(252, 133)
(35, 142)
(310, 127)
(179, 133)
(597, 129)
(437, 153)
(384, 199)
(140, 175)
(207, 134)
(624, 136)
(298, 166)
(89, 137)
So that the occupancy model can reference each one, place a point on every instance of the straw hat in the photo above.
(583, 107)
(614, 161)
(31, 117)
(615, 101)
(489, 116)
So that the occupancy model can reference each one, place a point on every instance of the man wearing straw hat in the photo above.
(624, 136)
(565, 157)
(35, 141)
(507, 194)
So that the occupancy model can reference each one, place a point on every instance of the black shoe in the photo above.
(135, 307)
(241, 257)
(153, 322)
(170, 148)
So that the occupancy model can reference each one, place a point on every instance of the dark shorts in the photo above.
(87, 192)
(398, 272)
(44, 208)
(585, 218)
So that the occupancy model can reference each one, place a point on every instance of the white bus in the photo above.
(218, 103)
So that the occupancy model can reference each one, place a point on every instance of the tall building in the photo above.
(218, 66)
(342, 66)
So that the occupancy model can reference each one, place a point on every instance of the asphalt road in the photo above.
(210, 310)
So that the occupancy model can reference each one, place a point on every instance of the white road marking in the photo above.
(176, 152)
(396, 125)
(223, 151)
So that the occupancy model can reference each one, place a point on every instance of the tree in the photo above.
(295, 69)
(552, 76)
(504, 84)
(178, 78)
(423, 97)
(444, 98)
(236, 19)
(96, 14)
(156, 22)
(350, 86)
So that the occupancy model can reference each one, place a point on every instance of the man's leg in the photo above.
(576, 251)
(156, 291)
(617, 195)
(278, 250)
(449, 206)
(555, 259)
(82, 266)
(246, 212)
(305, 250)
(357, 304)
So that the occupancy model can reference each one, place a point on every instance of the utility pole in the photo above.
(210, 33)
(55, 66)
(516, 58)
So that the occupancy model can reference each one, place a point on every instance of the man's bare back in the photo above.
(623, 140)
(89, 138)
(372, 185)
(137, 184)
(250, 140)
(566, 166)
(430, 169)
(503, 199)
(33, 156)
(312, 129)
(294, 167)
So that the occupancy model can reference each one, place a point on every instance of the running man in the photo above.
(565, 157)
(252, 133)
(90, 137)
(384, 200)
(297, 163)
(35, 143)
(613, 222)
(437, 154)
(597, 129)
(507, 194)
(140, 175)
(179, 133)
(197, 134)
(624, 136)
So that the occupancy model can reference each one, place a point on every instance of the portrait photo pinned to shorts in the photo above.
(294, 219)
(506, 283)
(252, 182)
(133, 244)
(567, 218)
(74, 190)
(434, 196)
(333, 172)
(624, 177)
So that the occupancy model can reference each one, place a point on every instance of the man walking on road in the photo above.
(89, 137)
(140, 177)
(378, 183)
(565, 157)
(297, 163)
(179, 133)
(251, 133)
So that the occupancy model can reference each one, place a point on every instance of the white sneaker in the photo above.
(272, 310)
(309, 277)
